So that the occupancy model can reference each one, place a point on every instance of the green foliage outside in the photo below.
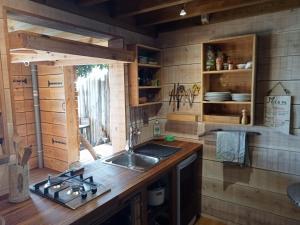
(84, 70)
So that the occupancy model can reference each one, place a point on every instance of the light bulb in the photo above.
(182, 12)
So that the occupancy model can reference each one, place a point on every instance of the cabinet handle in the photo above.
(63, 106)
(20, 81)
(55, 84)
(58, 142)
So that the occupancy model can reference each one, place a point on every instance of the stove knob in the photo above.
(83, 194)
(94, 189)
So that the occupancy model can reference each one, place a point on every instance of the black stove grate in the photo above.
(70, 189)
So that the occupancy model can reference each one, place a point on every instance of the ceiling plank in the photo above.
(194, 8)
(134, 7)
(91, 2)
(244, 12)
(26, 40)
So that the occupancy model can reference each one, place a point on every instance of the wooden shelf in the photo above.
(227, 102)
(235, 124)
(149, 65)
(150, 103)
(228, 71)
(238, 49)
(149, 87)
(144, 71)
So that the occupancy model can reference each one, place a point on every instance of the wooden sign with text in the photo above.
(278, 113)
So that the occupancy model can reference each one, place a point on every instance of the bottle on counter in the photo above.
(156, 129)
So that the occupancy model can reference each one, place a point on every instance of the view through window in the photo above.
(93, 103)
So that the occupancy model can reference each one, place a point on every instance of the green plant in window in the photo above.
(84, 70)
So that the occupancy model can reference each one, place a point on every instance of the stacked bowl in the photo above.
(241, 97)
(217, 96)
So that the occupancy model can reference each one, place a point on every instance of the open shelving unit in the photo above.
(144, 76)
(241, 49)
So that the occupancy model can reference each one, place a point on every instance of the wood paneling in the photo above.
(23, 107)
(241, 215)
(59, 119)
(53, 117)
(256, 194)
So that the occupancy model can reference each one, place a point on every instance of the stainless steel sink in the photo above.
(133, 161)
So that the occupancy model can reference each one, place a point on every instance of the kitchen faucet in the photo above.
(134, 132)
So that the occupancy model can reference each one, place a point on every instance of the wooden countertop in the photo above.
(123, 183)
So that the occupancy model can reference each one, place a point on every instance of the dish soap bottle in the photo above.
(156, 129)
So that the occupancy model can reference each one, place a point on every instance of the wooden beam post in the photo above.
(5, 85)
(118, 124)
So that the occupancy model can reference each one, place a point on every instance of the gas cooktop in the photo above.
(70, 188)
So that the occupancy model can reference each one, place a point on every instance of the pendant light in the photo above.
(182, 11)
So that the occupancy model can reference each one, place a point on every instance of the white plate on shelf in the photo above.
(217, 99)
(217, 94)
(241, 97)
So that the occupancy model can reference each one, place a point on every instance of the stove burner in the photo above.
(54, 181)
(70, 188)
(76, 187)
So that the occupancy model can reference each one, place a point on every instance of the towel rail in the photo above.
(217, 130)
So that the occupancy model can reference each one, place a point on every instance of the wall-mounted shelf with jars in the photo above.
(144, 76)
(228, 80)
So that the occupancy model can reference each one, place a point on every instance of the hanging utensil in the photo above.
(174, 97)
(179, 94)
(26, 155)
(171, 94)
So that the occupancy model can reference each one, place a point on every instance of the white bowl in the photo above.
(241, 66)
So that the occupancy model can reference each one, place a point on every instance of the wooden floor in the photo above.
(207, 221)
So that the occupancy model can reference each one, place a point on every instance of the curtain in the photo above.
(93, 103)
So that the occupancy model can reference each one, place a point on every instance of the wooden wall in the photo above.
(59, 116)
(254, 195)
(23, 107)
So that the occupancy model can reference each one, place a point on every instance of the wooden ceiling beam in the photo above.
(91, 2)
(55, 58)
(244, 12)
(21, 40)
(193, 9)
(134, 7)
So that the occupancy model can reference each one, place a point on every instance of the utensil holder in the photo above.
(18, 183)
